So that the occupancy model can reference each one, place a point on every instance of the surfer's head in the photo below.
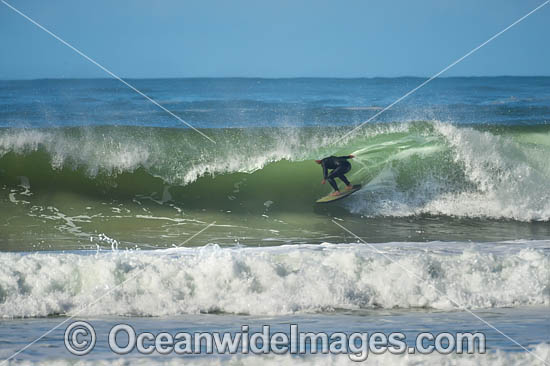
(318, 161)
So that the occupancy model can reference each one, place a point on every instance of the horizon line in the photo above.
(282, 77)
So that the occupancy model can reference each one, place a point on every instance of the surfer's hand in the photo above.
(323, 181)
(352, 156)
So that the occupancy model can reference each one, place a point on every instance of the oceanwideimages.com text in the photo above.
(80, 339)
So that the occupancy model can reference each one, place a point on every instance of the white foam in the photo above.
(277, 280)
(496, 358)
(94, 152)
(509, 185)
(492, 177)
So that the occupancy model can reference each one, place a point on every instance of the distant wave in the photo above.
(364, 108)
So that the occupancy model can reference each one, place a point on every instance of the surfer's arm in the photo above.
(325, 170)
(346, 157)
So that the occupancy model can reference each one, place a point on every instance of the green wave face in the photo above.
(406, 169)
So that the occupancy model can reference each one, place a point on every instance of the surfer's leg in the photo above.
(344, 179)
(335, 173)
(332, 182)
(340, 171)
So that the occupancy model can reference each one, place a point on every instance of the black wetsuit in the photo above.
(341, 166)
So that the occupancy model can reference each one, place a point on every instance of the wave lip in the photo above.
(272, 281)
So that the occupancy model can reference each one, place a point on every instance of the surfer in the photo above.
(340, 166)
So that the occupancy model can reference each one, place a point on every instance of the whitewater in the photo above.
(276, 280)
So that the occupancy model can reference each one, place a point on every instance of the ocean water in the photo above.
(99, 188)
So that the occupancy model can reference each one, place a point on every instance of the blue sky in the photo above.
(355, 38)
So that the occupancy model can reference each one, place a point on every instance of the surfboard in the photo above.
(343, 194)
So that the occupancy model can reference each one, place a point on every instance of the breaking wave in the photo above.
(407, 169)
(275, 280)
